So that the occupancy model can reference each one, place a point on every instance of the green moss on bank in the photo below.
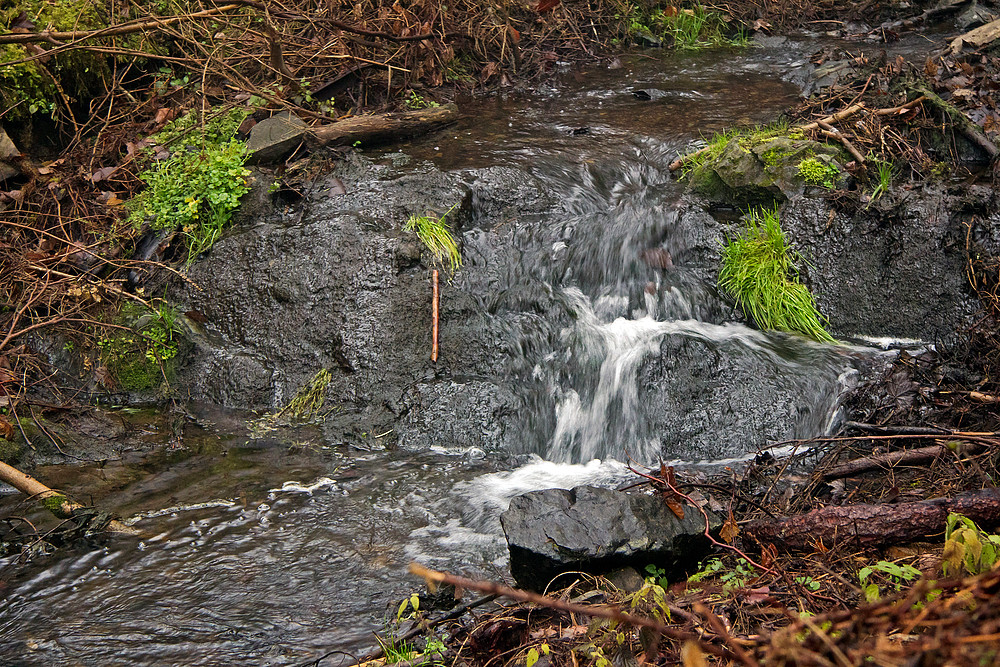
(34, 87)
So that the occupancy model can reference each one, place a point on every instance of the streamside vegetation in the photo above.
(195, 189)
(758, 272)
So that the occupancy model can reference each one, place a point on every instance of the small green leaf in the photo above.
(532, 658)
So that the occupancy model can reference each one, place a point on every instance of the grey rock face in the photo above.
(347, 289)
(597, 530)
(895, 269)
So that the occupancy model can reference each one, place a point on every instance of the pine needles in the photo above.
(435, 235)
(758, 271)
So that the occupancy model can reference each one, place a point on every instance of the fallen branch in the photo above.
(833, 133)
(55, 502)
(865, 525)
(917, 456)
(385, 128)
(960, 122)
(435, 304)
(612, 613)
(833, 118)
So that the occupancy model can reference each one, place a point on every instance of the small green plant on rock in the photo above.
(758, 272)
(816, 172)
(433, 232)
(144, 357)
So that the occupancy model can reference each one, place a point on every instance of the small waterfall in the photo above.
(601, 411)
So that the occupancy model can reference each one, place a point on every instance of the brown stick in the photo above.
(839, 116)
(890, 459)
(902, 107)
(384, 128)
(833, 133)
(435, 304)
(612, 613)
(59, 505)
(877, 525)
(111, 31)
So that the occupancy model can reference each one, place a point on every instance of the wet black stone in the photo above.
(597, 530)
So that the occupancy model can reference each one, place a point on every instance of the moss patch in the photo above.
(33, 87)
(761, 167)
(143, 358)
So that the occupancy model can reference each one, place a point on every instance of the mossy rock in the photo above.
(11, 450)
(766, 173)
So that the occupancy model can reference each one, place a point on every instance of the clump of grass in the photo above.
(883, 177)
(759, 273)
(309, 400)
(699, 28)
(687, 29)
(433, 232)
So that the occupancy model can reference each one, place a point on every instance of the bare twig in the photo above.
(598, 611)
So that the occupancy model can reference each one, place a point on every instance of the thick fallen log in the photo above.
(53, 501)
(385, 128)
(876, 525)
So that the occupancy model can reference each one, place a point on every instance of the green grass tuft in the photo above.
(883, 174)
(758, 272)
(433, 232)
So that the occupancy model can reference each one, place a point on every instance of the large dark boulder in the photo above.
(597, 530)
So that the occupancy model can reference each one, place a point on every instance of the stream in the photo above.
(258, 551)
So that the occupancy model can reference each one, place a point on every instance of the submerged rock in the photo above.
(597, 530)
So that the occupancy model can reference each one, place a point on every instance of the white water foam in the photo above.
(620, 346)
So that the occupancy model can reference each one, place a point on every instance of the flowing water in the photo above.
(254, 554)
